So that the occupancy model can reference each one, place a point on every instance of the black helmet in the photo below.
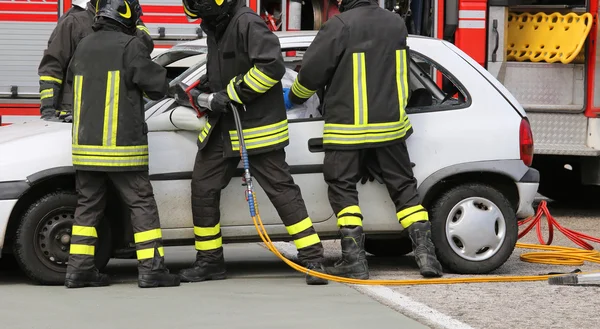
(206, 9)
(126, 12)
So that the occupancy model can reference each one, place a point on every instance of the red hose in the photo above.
(536, 220)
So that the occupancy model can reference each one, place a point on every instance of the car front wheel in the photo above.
(44, 234)
(474, 228)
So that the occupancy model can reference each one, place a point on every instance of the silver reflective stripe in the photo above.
(142, 150)
(263, 142)
(364, 129)
(108, 161)
(363, 138)
(261, 131)
(255, 86)
(111, 114)
(360, 89)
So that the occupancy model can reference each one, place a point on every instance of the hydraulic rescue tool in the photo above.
(561, 255)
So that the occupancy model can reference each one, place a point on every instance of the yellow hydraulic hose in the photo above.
(557, 256)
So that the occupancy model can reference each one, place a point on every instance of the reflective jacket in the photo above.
(244, 58)
(110, 71)
(71, 28)
(365, 73)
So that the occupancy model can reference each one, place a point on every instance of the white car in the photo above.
(471, 150)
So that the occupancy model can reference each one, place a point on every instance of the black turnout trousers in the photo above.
(213, 172)
(136, 191)
(342, 171)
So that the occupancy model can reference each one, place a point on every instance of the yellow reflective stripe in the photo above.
(145, 236)
(405, 212)
(204, 133)
(260, 131)
(361, 108)
(302, 225)
(349, 210)
(368, 128)
(232, 93)
(349, 221)
(263, 141)
(364, 138)
(402, 81)
(110, 150)
(82, 249)
(143, 28)
(307, 241)
(149, 253)
(207, 231)
(85, 231)
(77, 84)
(111, 109)
(49, 78)
(301, 91)
(86, 160)
(254, 84)
(210, 244)
(189, 13)
(421, 215)
(46, 93)
(262, 77)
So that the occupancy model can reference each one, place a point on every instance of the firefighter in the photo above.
(365, 74)
(244, 66)
(110, 70)
(74, 25)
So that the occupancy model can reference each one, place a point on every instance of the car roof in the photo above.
(285, 38)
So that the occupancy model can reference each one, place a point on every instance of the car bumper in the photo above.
(527, 188)
(9, 195)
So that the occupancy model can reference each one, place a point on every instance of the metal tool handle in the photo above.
(204, 100)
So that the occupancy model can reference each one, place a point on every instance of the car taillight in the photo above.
(526, 142)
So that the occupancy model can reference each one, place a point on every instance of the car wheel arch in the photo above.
(47, 181)
(501, 174)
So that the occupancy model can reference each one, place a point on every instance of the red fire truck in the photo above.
(543, 51)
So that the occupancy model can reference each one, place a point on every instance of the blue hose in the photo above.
(244, 155)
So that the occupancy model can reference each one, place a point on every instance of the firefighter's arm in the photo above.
(149, 76)
(143, 33)
(264, 51)
(320, 60)
(54, 63)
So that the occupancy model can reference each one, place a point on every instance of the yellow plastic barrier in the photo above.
(550, 38)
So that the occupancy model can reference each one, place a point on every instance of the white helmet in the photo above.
(80, 3)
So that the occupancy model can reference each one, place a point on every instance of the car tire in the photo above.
(457, 209)
(388, 247)
(40, 247)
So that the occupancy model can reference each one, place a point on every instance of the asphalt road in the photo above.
(275, 296)
(261, 292)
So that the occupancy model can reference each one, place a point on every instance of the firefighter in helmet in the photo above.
(110, 70)
(244, 66)
(56, 95)
(365, 74)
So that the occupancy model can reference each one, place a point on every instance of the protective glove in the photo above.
(286, 99)
(370, 168)
(220, 102)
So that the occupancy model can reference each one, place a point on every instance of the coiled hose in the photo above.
(555, 255)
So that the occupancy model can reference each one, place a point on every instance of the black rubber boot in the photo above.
(203, 269)
(313, 280)
(92, 278)
(158, 279)
(354, 260)
(424, 250)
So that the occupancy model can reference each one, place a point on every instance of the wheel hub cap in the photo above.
(475, 229)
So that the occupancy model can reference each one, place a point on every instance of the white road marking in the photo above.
(406, 304)
(392, 298)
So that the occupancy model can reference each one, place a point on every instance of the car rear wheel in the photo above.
(388, 247)
(474, 228)
(43, 238)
